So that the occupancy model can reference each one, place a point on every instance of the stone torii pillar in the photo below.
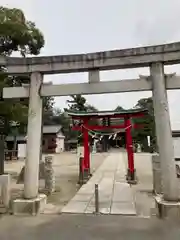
(31, 182)
(165, 143)
(32, 202)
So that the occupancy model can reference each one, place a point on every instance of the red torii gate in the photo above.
(83, 125)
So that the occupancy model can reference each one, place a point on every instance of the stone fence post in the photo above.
(157, 175)
(49, 175)
(5, 184)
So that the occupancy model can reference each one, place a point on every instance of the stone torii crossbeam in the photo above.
(154, 57)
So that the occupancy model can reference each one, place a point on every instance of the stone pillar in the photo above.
(49, 175)
(5, 181)
(31, 182)
(164, 134)
(94, 76)
(157, 179)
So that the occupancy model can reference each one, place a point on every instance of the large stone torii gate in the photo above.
(154, 57)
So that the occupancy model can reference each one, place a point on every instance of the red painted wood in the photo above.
(86, 146)
(111, 116)
(127, 126)
(129, 145)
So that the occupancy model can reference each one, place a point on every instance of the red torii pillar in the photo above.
(86, 149)
(131, 172)
(85, 159)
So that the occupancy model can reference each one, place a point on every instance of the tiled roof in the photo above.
(52, 129)
(46, 129)
(105, 113)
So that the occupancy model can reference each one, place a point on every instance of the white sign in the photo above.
(22, 150)
(149, 141)
(176, 143)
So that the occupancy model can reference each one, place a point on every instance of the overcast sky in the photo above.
(80, 26)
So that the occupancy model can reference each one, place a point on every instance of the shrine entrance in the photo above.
(153, 57)
(105, 123)
(118, 141)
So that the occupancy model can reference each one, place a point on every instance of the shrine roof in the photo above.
(106, 113)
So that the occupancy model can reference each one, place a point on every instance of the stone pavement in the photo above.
(115, 194)
(86, 227)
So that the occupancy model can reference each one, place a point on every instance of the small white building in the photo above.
(53, 132)
(53, 141)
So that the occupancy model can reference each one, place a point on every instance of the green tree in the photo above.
(77, 103)
(91, 108)
(148, 123)
(17, 34)
(61, 118)
(48, 111)
(118, 108)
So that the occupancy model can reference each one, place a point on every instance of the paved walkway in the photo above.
(87, 227)
(115, 195)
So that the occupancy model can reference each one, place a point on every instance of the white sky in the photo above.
(81, 26)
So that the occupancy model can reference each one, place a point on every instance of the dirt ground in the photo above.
(66, 176)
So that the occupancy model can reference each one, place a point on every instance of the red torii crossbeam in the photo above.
(84, 126)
